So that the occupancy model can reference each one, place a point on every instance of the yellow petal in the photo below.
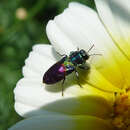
(94, 78)
(115, 16)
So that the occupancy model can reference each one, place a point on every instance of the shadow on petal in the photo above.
(85, 105)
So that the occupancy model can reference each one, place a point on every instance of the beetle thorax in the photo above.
(76, 58)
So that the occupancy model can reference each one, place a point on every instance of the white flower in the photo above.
(90, 107)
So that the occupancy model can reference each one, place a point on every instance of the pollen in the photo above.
(121, 111)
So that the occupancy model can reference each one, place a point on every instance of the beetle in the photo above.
(66, 66)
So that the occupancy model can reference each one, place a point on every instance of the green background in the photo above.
(16, 40)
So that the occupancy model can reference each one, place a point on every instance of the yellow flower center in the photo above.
(121, 116)
(120, 101)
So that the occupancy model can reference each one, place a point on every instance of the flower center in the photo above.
(121, 117)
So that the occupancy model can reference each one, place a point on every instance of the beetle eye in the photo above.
(82, 52)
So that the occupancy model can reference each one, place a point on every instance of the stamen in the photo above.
(121, 115)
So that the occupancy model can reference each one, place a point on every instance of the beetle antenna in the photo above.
(95, 54)
(90, 48)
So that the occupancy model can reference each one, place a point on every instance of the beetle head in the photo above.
(84, 54)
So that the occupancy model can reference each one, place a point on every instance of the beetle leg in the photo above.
(60, 54)
(77, 76)
(84, 67)
(63, 86)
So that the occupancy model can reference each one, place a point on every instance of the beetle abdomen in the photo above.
(54, 74)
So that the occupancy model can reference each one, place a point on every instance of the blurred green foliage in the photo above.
(17, 36)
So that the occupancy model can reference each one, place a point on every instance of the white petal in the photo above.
(29, 111)
(62, 122)
(82, 26)
(39, 61)
(46, 50)
(115, 14)
(59, 40)
(32, 98)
